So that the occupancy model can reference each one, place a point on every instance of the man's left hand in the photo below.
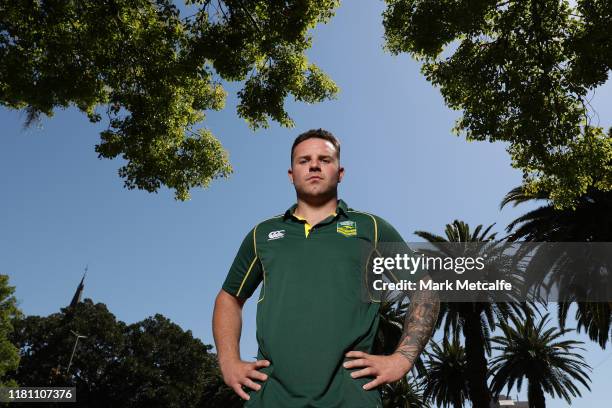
(386, 369)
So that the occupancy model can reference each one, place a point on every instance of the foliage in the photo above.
(404, 393)
(154, 73)
(520, 72)
(590, 221)
(534, 352)
(9, 354)
(446, 380)
(473, 320)
(152, 363)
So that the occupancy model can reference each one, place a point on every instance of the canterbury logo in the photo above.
(276, 235)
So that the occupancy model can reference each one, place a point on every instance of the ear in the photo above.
(340, 174)
(290, 174)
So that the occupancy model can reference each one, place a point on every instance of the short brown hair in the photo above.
(319, 134)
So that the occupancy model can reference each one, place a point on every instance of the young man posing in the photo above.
(314, 332)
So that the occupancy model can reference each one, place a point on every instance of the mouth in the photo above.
(311, 178)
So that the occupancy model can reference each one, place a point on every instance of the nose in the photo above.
(315, 166)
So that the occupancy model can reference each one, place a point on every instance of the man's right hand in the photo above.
(238, 373)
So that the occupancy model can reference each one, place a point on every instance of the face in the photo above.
(315, 170)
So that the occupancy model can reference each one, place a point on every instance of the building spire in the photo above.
(79, 291)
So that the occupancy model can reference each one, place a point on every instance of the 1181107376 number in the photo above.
(37, 394)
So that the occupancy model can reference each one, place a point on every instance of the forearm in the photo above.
(227, 327)
(419, 324)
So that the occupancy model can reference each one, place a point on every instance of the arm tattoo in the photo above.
(419, 323)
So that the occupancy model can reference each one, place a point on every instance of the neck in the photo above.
(315, 211)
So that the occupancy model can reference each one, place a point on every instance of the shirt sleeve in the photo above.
(386, 232)
(390, 244)
(246, 271)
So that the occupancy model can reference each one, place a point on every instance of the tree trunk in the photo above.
(476, 362)
(535, 395)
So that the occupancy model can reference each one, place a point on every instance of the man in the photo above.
(315, 333)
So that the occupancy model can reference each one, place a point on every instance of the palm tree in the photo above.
(589, 221)
(474, 320)
(391, 322)
(536, 353)
(446, 378)
(404, 393)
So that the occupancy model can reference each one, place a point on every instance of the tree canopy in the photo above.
(532, 351)
(153, 73)
(151, 363)
(521, 71)
(9, 354)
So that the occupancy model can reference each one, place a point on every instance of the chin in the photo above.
(317, 193)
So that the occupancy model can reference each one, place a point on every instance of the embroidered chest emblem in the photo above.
(347, 228)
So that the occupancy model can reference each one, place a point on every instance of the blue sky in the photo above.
(62, 208)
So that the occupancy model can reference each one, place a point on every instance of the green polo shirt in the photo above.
(310, 311)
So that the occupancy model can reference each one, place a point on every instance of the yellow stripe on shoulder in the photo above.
(246, 275)
(375, 225)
